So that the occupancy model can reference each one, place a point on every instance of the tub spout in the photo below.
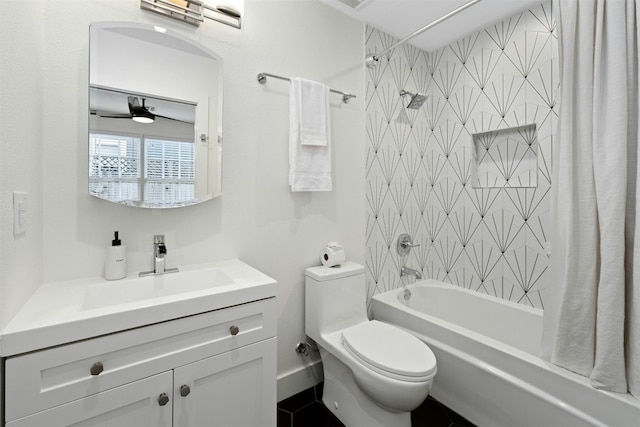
(406, 271)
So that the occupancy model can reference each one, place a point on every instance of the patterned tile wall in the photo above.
(420, 162)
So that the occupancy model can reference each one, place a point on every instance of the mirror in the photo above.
(155, 117)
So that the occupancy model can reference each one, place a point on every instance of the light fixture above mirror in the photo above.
(229, 7)
(228, 12)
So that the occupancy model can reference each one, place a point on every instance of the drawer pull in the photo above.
(163, 399)
(234, 330)
(97, 368)
(185, 390)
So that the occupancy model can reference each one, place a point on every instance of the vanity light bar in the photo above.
(193, 12)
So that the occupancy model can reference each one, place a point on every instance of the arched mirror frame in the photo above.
(143, 68)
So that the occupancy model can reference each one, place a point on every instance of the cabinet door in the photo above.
(236, 388)
(135, 404)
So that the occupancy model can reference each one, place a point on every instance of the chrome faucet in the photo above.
(406, 271)
(159, 253)
(404, 245)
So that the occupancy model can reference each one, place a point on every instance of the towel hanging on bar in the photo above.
(309, 160)
(313, 111)
(262, 79)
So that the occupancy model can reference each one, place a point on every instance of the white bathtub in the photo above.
(488, 368)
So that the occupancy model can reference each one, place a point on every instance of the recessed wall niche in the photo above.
(506, 158)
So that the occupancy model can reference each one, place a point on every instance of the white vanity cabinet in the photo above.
(207, 369)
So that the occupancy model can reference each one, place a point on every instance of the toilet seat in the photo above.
(390, 351)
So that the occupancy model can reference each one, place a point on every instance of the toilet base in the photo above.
(349, 403)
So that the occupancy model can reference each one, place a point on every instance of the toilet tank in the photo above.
(335, 298)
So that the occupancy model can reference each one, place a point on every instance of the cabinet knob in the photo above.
(96, 368)
(163, 399)
(185, 390)
(234, 330)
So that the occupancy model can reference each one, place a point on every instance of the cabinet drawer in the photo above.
(134, 404)
(47, 378)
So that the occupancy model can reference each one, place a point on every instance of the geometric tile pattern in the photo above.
(420, 163)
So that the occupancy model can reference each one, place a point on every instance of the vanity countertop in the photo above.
(64, 312)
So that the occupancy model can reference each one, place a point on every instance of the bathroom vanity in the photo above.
(192, 348)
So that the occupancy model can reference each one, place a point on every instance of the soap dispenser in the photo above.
(115, 266)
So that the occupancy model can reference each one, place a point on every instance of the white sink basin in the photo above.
(68, 311)
(136, 289)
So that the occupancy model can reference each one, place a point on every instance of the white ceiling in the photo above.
(402, 17)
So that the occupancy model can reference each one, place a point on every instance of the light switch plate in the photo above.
(20, 210)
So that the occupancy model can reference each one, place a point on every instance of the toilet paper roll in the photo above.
(332, 255)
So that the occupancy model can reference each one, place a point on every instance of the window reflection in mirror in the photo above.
(154, 117)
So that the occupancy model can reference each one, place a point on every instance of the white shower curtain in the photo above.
(594, 327)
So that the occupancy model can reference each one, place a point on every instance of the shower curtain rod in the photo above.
(372, 59)
(262, 79)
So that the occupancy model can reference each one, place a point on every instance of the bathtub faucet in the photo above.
(406, 271)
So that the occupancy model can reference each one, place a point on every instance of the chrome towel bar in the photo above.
(262, 79)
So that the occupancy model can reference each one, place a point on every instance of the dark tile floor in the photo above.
(306, 409)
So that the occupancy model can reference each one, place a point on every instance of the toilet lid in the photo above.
(390, 349)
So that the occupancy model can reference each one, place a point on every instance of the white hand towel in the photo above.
(313, 112)
(309, 165)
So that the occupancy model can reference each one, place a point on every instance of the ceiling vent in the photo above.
(354, 4)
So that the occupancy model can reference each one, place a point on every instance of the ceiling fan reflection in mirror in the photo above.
(118, 104)
(140, 113)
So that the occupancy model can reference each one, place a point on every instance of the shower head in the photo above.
(417, 99)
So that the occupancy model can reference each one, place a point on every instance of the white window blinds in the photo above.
(169, 171)
(141, 169)
(114, 166)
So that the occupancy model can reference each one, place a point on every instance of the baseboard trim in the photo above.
(297, 380)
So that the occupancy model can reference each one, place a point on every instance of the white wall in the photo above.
(21, 131)
(21, 143)
(257, 219)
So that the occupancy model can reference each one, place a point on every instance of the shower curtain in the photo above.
(594, 327)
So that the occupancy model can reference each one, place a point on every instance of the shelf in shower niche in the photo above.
(505, 158)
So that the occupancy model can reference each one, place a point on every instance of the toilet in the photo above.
(375, 374)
